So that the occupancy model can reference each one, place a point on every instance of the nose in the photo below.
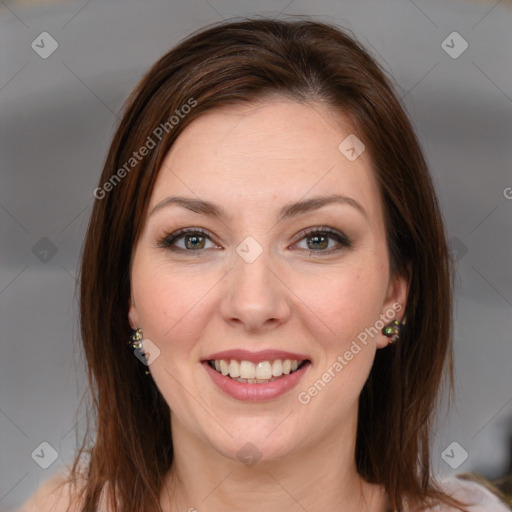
(255, 297)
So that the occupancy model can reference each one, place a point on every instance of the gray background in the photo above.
(59, 114)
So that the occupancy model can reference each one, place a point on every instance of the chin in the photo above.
(257, 445)
(250, 453)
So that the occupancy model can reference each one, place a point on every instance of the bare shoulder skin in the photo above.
(55, 495)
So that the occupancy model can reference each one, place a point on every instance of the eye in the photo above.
(318, 240)
(194, 240)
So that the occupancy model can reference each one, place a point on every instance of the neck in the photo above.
(318, 477)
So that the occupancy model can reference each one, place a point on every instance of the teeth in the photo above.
(247, 371)
(277, 368)
(263, 370)
(234, 368)
(255, 381)
(224, 367)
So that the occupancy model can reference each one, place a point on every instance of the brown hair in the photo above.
(228, 63)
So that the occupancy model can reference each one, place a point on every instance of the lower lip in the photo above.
(256, 392)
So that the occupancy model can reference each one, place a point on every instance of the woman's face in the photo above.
(252, 280)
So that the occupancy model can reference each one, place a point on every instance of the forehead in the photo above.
(277, 149)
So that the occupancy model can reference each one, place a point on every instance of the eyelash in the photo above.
(168, 241)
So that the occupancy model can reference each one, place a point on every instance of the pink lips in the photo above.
(256, 392)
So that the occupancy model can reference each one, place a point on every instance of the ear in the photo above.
(133, 317)
(394, 303)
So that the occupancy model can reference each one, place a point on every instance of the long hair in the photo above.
(229, 63)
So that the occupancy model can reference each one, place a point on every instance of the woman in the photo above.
(267, 237)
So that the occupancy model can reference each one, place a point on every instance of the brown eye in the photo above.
(319, 240)
(322, 240)
(193, 240)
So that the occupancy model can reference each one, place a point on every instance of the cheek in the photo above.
(348, 308)
(345, 301)
(170, 303)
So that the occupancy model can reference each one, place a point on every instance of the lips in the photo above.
(250, 389)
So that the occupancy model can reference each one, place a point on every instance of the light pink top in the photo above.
(469, 491)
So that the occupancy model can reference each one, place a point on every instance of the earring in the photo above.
(393, 330)
(136, 341)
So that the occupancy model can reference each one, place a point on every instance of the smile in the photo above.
(261, 372)
(251, 388)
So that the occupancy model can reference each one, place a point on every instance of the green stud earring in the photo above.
(393, 330)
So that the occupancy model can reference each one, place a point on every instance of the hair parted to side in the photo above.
(228, 63)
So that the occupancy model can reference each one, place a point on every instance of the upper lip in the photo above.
(255, 357)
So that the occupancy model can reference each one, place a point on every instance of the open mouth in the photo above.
(262, 372)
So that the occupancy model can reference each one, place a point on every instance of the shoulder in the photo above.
(477, 493)
(57, 494)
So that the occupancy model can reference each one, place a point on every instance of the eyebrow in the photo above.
(289, 210)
